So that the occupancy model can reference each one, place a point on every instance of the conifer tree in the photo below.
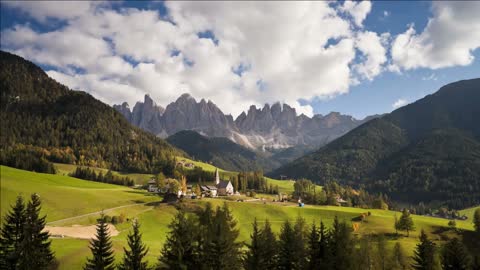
(382, 253)
(313, 247)
(134, 258)
(424, 254)
(405, 223)
(221, 249)
(323, 258)
(455, 256)
(180, 250)
(253, 258)
(35, 246)
(364, 259)
(101, 247)
(11, 235)
(476, 221)
(286, 247)
(341, 245)
(398, 260)
(270, 247)
(300, 253)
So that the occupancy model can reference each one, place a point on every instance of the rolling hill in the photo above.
(426, 151)
(42, 121)
(66, 197)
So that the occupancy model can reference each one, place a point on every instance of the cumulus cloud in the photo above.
(370, 44)
(449, 38)
(357, 10)
(284, 51)
(399, 103)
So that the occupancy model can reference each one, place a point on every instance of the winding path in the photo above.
(98, 212)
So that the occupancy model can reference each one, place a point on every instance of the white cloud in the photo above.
(370, 44)
(386, 13)
(358, 10)
(449, 38)
(293, 50)
(431, 77)
(399, 103)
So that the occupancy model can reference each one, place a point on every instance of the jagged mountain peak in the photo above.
(270, 126)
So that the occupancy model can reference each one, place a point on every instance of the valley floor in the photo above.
(69, 201)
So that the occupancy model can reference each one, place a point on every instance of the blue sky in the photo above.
(357, 58)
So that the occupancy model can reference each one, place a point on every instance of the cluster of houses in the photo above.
(184, 163)
(221, 188)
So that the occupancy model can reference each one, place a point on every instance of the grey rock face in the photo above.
(276, 126)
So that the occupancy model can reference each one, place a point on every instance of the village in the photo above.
(183, 190)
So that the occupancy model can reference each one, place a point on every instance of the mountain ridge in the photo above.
(274, 126)
(428, 150)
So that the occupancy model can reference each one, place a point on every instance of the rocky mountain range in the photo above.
(272, 127)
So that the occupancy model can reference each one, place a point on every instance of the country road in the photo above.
(98, 212)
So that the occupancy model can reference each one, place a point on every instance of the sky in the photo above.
(356, 58)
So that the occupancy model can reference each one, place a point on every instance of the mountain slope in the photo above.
(221, 152)
(267, 128)
(44, 120)
(425, 151)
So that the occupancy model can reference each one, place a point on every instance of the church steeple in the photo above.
(217, 177)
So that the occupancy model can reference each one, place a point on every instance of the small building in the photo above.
(152, 186)
(224, 188)
(209, 191)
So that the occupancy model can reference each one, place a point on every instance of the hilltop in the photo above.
(43, 121)
(426, 151)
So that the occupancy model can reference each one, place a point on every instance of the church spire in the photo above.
(217, 177)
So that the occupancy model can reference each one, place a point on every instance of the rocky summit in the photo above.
(274, 126)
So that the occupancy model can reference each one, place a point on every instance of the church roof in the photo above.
(223, 184)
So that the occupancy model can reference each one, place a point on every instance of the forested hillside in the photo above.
(426, 151)
(42, 121)
(221, 152)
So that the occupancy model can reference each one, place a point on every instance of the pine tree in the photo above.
(476, 221)
(323, 258)
(365, 259)
(180, 250)
(270, 247)
(286, 247)
(424, 254)
(341, 246)
(12, 235)
(221, 249)
(253, 259)
(300, 253)
(35, 246)
(101, 247)
(406, 223)
(455, 256)
(382, 253)
(313, 247)
(399, 260)
(133, 258)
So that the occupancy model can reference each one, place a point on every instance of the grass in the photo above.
(469, 212)
(65, 196)
(138, 178)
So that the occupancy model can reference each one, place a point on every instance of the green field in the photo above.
(65, 197)
(139, 178)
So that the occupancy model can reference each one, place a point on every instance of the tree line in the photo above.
(108, 177)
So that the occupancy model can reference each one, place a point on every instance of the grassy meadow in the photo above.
(67, 197)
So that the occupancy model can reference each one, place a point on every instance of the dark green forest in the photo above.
(43, 121)
(427, 151)
(221, 152)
